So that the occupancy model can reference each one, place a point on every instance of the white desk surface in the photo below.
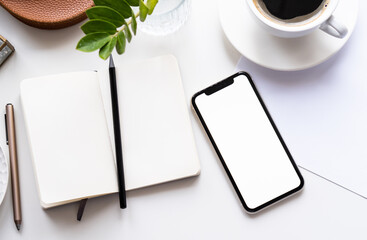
(205, 207)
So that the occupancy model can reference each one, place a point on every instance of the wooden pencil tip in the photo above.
(112, 64)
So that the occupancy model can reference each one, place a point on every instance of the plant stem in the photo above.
(127, 23)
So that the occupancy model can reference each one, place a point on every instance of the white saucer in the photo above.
(279, 53)
(4, 175)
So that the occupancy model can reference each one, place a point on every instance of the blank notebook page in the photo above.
(158, 143)
(69, 137)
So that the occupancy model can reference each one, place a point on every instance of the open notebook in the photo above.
(69, 124)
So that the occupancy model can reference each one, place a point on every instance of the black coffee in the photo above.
(288, 9)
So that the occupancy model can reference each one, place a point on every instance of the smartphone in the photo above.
(247, 142)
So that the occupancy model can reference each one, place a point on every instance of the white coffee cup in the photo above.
(323, 19)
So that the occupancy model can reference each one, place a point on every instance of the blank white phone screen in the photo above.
(248, 143)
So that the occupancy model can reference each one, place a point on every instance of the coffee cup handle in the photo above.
(334, 28)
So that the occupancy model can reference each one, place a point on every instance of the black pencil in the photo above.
(117, 133)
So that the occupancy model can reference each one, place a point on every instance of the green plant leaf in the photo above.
(151, 5)
(106, 14)
(93, 41)
(121, 43)
(119, 5)
(94, 25)
(134, 3)
(105, 19)
(106, 50)
(134, 24)
(128, 34)
(143, 10)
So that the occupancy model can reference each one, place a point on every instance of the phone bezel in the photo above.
(219, 86)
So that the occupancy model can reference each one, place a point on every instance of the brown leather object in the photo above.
(48, 14)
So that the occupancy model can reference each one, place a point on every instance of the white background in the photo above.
(205, 207)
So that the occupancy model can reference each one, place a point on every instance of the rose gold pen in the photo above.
(10, 136)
